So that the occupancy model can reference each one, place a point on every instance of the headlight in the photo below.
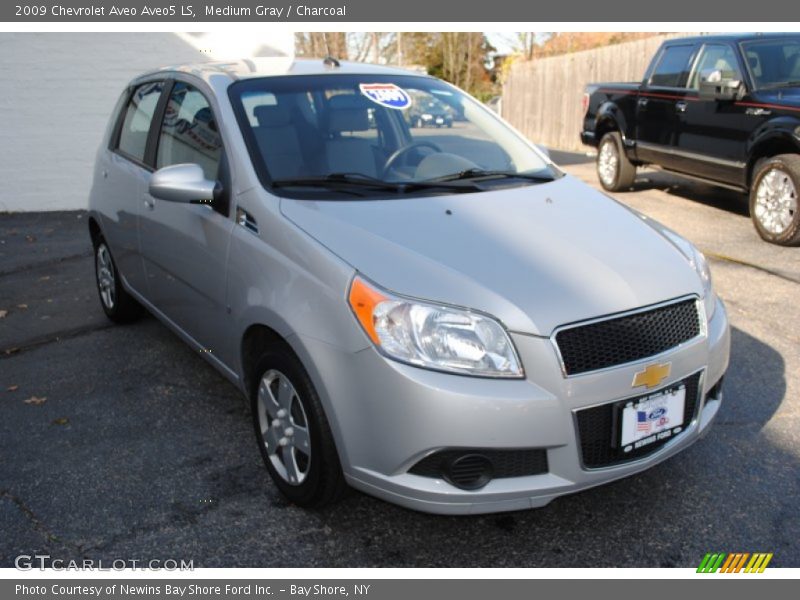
(700, 265)
(434, 336)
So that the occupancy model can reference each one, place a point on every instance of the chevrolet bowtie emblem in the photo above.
(652, 375)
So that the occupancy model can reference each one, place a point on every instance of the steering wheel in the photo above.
(401, 152)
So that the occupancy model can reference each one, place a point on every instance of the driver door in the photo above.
(185, 246)
(713, 134)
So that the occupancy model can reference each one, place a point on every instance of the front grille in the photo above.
(505, 463)
(598, 434)
(620, 340)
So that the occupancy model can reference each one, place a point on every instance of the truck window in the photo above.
(715, 57)
(773, 63)
(672, 67)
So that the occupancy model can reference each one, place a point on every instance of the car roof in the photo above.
(220, 74)
(730, 37)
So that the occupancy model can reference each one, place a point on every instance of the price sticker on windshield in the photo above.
(386, 94)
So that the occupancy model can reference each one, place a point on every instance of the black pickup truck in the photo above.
(721, 109)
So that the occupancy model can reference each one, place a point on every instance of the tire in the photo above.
(615, 172)
(775, 199)
(297, 445)
(117, 303)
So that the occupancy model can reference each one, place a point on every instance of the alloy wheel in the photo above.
(284, 427)
(776, 201)
(608, 163)
(105, 276)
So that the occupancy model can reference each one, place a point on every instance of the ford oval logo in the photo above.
(657, 414)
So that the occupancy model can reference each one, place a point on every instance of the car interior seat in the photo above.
(347, 153)
(278, 141)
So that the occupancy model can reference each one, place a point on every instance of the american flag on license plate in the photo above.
(642, 424)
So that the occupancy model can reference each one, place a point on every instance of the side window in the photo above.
(672, 67)
(189, 132)
(138, 116)
(715, 57)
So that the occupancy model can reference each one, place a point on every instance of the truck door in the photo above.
(661, 97)
(713, 134)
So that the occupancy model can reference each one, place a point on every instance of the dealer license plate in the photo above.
(652, 418)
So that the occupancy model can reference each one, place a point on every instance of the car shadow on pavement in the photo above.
(710, 195)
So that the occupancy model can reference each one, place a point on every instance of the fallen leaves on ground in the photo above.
(12, 388)
(3, 313)
(35, 400)
(61, 421)
(22, 306)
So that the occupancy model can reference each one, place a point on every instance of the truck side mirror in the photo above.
(716, 85)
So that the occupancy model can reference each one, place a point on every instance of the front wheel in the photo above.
(773, 199)
(293, 433)
(615, 172)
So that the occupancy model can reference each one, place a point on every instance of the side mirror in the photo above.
(183, 183)
(714, 85)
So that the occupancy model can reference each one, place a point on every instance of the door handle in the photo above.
(642, 102)
(246, 220)
(681, 106)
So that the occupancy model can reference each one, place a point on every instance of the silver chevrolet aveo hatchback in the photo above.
(439, 317)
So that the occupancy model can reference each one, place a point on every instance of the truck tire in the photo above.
(774, 201)
(615, 172)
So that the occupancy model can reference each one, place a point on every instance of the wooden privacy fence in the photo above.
(542, 97)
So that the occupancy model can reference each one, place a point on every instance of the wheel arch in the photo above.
(777, 137)
(255, 337)
(609, 119)
(94, 230)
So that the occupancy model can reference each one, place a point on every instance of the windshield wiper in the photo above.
(474, 174)
(348, 181)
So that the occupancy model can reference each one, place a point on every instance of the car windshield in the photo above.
(379, 134)
(773, 63)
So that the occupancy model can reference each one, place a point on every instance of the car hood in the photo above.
(535, 257)
(783, 96)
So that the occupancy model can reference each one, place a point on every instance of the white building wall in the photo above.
(57, 91)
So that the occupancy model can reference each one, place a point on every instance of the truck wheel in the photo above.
(117, 303)
(293, 434)
(774, 199)
(615, 172)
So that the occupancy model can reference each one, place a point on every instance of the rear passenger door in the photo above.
(185, 246)
(661, 99)
(122, 180)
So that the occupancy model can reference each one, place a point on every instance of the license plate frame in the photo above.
(629, 433)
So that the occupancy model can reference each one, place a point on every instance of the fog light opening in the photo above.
(468, 471)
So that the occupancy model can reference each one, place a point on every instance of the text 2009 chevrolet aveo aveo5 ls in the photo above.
(438, 317)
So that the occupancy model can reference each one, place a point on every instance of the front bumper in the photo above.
(387, 416)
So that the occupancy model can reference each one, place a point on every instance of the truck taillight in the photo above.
(585, 103)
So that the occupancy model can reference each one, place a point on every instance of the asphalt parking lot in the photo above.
(119, 442)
